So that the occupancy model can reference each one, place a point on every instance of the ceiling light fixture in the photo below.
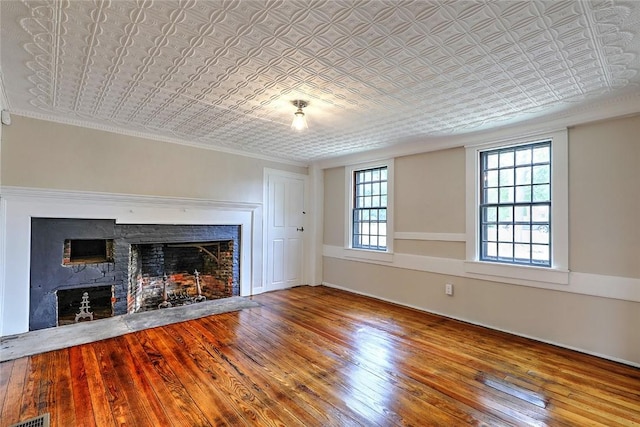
(299, 122)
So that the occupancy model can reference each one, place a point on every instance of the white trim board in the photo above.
(462, 319)
(622, 288)
(10, 192)
(349, 188)
(19, 205)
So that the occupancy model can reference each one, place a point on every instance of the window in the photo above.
(369, 220)
(517, 210)
(369, 214)
(515, 204)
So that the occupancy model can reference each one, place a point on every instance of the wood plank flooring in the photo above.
(315, 356)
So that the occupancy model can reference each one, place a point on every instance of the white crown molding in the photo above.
(625, 105)
(152, 136)
(621, 288)
(11, 192)
(484, 325)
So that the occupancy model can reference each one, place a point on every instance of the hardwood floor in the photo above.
(319, 357)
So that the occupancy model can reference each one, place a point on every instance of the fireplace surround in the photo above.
(133, 259)
(18, 205)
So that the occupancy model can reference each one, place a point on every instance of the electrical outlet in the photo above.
(448, 289)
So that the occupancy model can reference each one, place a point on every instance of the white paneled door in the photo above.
(285, 230)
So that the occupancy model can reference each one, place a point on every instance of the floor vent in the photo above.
(40, 421)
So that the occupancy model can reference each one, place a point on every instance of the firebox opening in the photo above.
(165, 275)
(87, 251)
(74, 306)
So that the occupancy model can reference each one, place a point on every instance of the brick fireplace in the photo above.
(162, 274)
(140, 265)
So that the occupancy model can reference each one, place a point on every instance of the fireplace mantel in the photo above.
(18, 205)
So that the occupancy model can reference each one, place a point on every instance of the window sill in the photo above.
(519, 273)
(370, 255)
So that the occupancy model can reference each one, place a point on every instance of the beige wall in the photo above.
(604, 204)
(430, 192)
(42, 154)
(604, 199)
(334, 211)
(454, 250)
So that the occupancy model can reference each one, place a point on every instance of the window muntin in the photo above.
(515, 205)
(369, 214)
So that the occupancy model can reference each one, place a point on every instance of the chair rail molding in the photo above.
(621, 288)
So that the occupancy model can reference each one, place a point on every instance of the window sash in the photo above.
(509, 231)
(369, 233)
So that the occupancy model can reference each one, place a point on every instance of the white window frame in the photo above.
(368, 254)
(558, 273)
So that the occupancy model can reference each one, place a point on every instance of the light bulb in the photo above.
(299, 122)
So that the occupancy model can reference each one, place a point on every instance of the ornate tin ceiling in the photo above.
(222, 74)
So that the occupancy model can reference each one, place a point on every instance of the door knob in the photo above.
(300, 229)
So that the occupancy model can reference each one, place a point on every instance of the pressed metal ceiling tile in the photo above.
(222, 74)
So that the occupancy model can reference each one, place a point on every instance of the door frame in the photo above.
(308, 223)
